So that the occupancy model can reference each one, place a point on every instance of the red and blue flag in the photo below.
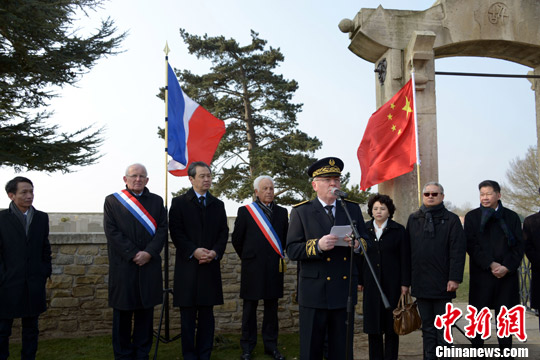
(193, 133)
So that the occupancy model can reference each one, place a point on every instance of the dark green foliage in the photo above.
(261, 136)
(354, 193)
(40, 49)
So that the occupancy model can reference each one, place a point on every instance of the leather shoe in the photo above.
(246, 356)
(275, 354)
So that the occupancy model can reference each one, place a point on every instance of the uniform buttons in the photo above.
(328, 278)
(344, 259)
(327, 259)
(344, 278)
(378, 265)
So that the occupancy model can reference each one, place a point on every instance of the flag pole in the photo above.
(166, 51)
(166, 289)
(417, 140)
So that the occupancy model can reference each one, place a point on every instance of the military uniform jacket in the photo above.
(531, 236)
(261, 278)
(25, 265)
(486, 247)
(131, 286)
(193, 226)
(324, 275)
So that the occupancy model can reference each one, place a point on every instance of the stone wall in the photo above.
(77, 291)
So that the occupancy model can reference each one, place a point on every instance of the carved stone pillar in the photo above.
(418, 54)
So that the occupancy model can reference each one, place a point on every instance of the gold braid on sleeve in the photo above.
(310, 247)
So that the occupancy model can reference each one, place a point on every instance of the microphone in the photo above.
(338, 192)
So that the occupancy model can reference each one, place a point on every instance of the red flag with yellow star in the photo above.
(388, 148)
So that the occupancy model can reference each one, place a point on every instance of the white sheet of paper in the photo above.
(341, 231)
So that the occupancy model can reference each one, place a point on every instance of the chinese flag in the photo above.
(388, 148)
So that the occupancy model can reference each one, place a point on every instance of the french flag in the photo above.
(193, 133)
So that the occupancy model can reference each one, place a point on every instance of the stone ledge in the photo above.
(61, 238)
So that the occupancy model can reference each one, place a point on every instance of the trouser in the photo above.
(197, 325)
(315, 324)
(30, 333)
(269, 325)
(432, 337)
(136, 345)
(386, 349)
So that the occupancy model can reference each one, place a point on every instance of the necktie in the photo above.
(329, 213)
(201, 200)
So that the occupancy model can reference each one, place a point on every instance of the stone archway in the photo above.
(403, 39)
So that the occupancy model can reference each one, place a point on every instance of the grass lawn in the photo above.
(226, 347)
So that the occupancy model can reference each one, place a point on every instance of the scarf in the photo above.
(19, 215)
(267, 209)
(429, 226)
(488, 213)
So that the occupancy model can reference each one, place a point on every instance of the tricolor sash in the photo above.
(135, 207)
(266, 227)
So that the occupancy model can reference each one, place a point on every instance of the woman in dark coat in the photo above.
(389, 252)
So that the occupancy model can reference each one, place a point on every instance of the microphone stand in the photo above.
(356, 235)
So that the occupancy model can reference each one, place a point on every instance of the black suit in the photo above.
(488, 245)
(25, 265)
(531, 236)
(262, 275)
(323, 286)
(197, 287)
(134, 290)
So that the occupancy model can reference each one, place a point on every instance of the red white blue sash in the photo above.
(266, 227)
(135, 207)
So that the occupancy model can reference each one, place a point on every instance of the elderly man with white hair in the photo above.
(258, 237)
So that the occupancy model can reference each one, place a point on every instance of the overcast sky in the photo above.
(483, 123)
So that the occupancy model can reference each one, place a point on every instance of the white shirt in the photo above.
(379, 230)
(325, 204)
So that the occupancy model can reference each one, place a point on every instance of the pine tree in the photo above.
(41, 50)
(262, 135)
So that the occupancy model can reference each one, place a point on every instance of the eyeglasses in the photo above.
(142, 177)
(434, 194)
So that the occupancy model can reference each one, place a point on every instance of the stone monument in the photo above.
(397, 41)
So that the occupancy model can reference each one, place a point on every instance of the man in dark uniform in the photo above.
(258, 237)
(495, 246)
(198, 225)
(323, 286)
(25, 265)
(135, 224)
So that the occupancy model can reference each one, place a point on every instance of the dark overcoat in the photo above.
(323, 281)
(531, 236)
(131, 286)
(492, 245)
(25, 265)
(195, 226)
(261, 276)
(437, 260)
(391, 260)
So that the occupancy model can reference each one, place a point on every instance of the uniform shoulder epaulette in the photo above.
(300, 203)
(352, 201)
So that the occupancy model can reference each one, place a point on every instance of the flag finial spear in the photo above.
(166, 50)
